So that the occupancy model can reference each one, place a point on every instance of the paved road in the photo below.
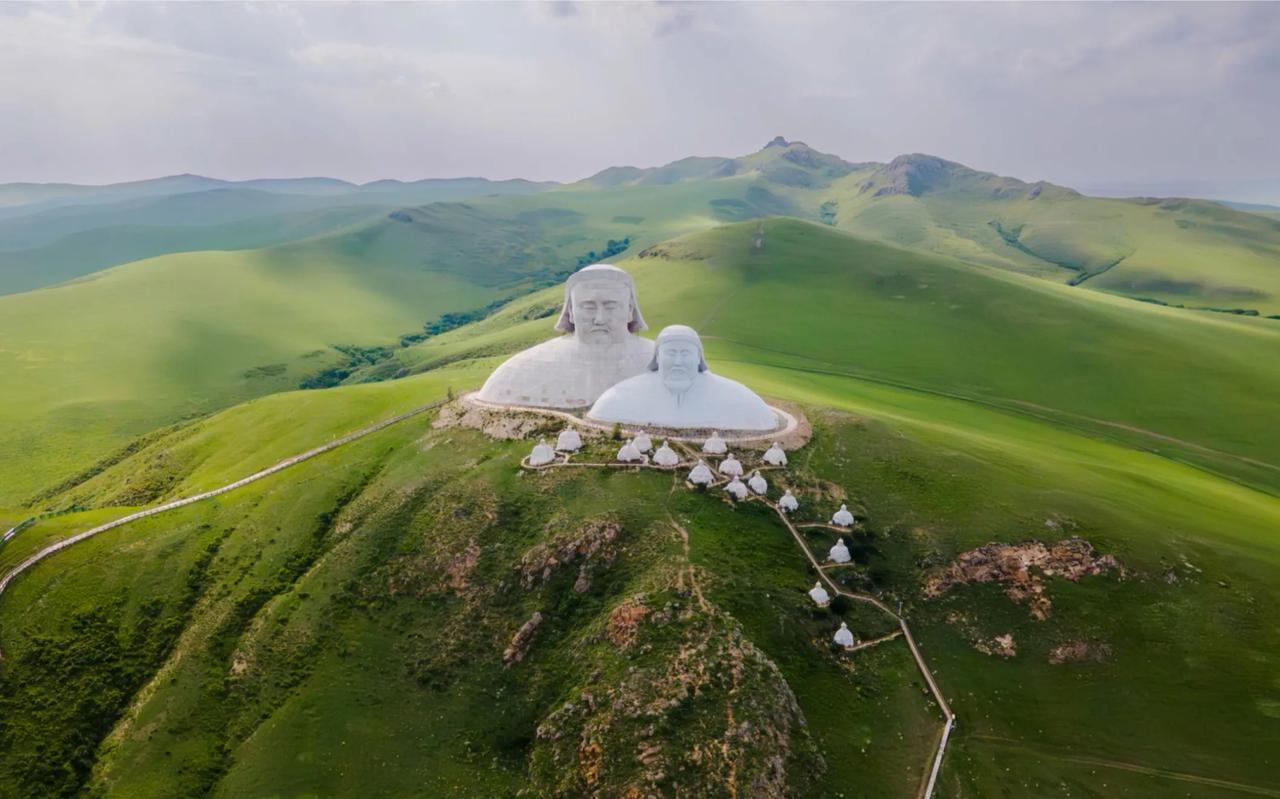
(58, 546)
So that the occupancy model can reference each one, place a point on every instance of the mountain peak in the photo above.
(777, 141)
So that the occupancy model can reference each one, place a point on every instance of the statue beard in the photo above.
(678, 381)
(599, 337)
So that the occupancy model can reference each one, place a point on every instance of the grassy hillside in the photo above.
(1192, 386)
(109, 358)
(341, 626)
(1181, 252)
(43, 244)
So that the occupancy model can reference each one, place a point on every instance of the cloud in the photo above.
(1071, 92)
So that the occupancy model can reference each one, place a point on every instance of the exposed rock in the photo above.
(1023, 567)
(1079, 651)
(515, 652)
(459, 568)
(712, 715)
(501, 425)
(1002, 645)
(624, 622)
(590, 547)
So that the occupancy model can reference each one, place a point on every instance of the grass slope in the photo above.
(339, 627)
(103, 360)
(815, 301)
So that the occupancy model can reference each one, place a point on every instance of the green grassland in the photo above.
(51, 234)
(339, 627)
(110, 357)
(816, 301)
(303, 636)
(173, 337)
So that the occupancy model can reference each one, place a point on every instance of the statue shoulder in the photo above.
(554, 349)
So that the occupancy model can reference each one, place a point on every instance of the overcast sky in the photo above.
(1081, 94)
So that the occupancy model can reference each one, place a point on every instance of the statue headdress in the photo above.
(635, 323)
(683, 333)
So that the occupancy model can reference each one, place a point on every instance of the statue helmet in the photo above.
(635, 323)
(681, 333)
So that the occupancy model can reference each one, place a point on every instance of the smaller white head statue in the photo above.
(677, 356)
(600, 306)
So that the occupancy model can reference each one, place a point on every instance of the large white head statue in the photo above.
(600, 306)
(677, 357)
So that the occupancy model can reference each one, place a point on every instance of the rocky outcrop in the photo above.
(521, 641)
(692, 703)
(504, 425)
(1079, 652)
(624, 622)
(1022, 568)
(591, 548)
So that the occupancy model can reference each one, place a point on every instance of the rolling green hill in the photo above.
(815, 300)
(340, 627)
(96, 227)
(1192, 253)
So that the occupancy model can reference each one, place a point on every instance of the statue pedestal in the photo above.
(792, 431)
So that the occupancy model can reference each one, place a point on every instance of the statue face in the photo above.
(678, 361)
(601, 310)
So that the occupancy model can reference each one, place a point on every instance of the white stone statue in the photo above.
(820, 595)
(842, 517)
(542, 454)
(731, 466)
(568, 440)
(845, 638)
(715, 445)
(775, 455)
(643, 442)
(629, 454)
(701, 474)
(679, 391)
(600, 347)
(665, 456)
(788, 502)
(839, 553)
(758, 483)
(737, 489)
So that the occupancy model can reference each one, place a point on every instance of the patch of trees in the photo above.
(611, 248)
(828, 212)
(1236, 311)
(357, 357)
(378, 363)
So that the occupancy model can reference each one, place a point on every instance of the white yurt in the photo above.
(701, 474)
(568, 440)
(715, 445)
(542, 454)
(775, 455)
(842, 517)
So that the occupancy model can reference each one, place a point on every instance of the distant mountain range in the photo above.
(1174, 251)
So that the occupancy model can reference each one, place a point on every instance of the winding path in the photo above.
(58, 546)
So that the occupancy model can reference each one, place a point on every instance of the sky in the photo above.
(1088, 95)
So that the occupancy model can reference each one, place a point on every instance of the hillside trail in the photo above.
(279, 466)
